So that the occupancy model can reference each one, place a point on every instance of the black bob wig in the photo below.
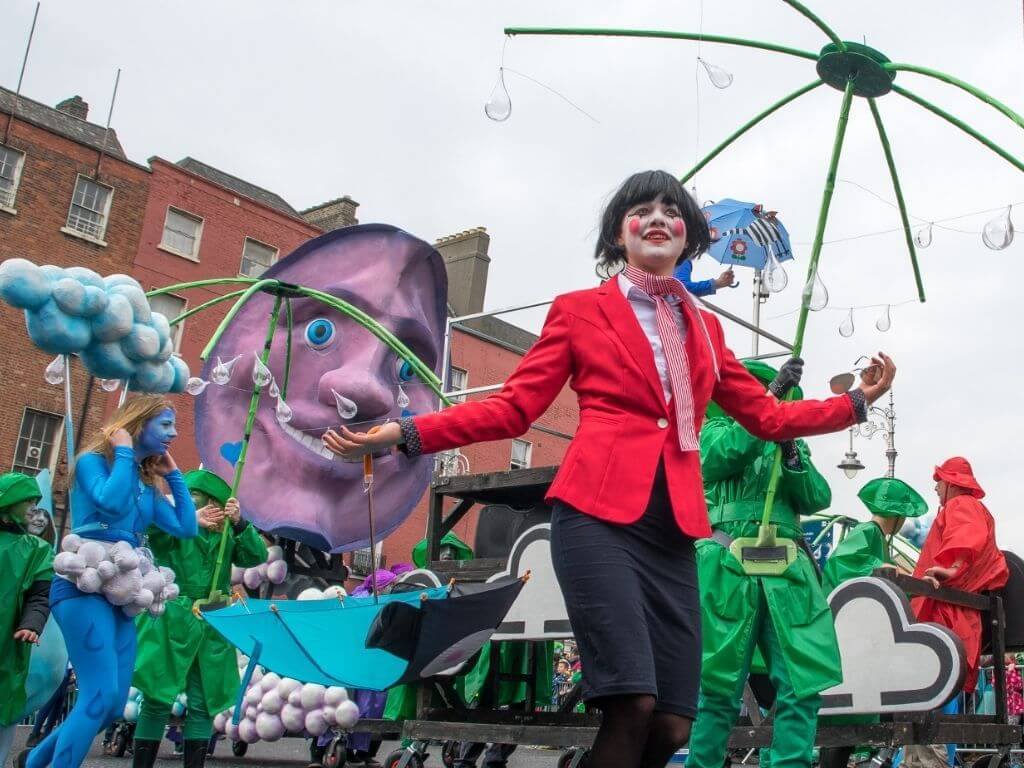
(645, 187)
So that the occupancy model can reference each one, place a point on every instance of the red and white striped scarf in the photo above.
(658, 287)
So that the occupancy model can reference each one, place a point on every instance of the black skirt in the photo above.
(633, 602)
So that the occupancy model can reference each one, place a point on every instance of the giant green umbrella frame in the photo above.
(854, 69)
(283, 294)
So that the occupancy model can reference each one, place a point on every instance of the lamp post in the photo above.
(850, 464)
(888, 429)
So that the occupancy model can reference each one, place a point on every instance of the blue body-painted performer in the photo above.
(115, 497)
(684, 274)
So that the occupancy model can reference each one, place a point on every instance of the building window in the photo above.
(170, 306)
(361, 561)
(256, 257)
(11, 161)
(182, 233)
(521, 453)
(459, 381)
(39, 432)
(90, 207)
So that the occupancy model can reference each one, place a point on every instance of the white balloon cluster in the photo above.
(123, 574)
(331, 593)
(275, 705)
(274, 570)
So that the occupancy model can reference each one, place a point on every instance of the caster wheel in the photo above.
(120, 745)
(335, 755)
(449, 753)
(239, 748)
(574, 757)
(394, 759)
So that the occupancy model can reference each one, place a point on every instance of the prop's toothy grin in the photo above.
(309, 442)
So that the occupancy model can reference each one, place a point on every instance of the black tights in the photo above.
(634, 735)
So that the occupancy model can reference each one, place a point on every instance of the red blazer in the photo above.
(592, 339)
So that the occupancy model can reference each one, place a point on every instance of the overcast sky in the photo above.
(384, 102)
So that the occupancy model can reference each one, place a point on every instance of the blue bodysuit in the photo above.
(110, 503)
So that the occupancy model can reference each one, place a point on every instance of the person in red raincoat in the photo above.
(960, 552)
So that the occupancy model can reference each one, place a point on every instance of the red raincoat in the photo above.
(963, 530)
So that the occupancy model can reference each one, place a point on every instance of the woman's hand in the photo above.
(232, 511)
(210, 517)
(726, 279)
(877, 378)
(164, 464)
(120, 438)
(939, 573)
(26, 635)
(354, 445)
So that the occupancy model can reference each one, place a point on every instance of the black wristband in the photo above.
(410, 445)
(860, 405)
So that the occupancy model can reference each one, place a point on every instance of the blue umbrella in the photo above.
(745, 234)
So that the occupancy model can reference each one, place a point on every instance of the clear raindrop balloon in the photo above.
(54, 373)
(884, 322)
(261, 375)
(998, 233)
(815, 294)
(195, 386)
(847, 328)
(272, 390)
(221, 373)
(403, 399)
(923, 238)
(110, 385)
(499, 105)
(346, 408)
(718, 76)
(283, 411)
(775, 279)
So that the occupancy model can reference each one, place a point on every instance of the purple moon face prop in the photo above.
(340, 374)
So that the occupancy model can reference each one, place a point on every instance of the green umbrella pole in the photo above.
(747, 126)
(806, 12)
(251, 291)
(254, 402)
(964, 86)
(887, 149)
(654, 33)
(287, 348)
(206, 305)
(201, 284)
(1019, 164)
(812, 269)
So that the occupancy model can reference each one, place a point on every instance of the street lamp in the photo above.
(850, 464)
(888, 430)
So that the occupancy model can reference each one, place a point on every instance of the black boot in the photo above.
(195, 752)
(145, 753)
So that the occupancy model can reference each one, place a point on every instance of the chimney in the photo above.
(466, 260)
(332, 215)
(75, 106)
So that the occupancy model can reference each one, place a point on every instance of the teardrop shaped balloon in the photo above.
(884, 322)
(273, 390)
(923, 238)
(718, 76)
(283, 411)
(499, 105)
(776, 279)
(54, 373)
(110, 385)
(847, 328)
(403, 399)
(998, 233)
(221, 373)
(261, 375)
(195, 386)
(815, 293)
(346, 408)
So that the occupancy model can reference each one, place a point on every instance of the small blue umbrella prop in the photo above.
(746, 235)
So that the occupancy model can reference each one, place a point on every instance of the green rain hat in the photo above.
(462, 550)
(763, 373)
(16, 487)
(889, 497)
(204, 481)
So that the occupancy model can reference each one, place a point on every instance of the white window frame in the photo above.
(457, 372)
(177, 331)
(19, 165)
(165, 246)
(273, 261)
(58, 436)
(529, 454)
(105, 213)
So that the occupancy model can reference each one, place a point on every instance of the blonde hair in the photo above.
(131, 417)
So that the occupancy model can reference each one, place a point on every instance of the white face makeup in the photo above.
(36, 520)
(653, 235)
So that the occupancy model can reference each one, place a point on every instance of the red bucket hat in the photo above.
(957, 471)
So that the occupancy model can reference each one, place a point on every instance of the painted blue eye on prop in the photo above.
(319, 333)
(405, 371)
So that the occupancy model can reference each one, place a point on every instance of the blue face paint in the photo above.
(156, 435)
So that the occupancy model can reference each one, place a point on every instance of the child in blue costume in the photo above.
(114, 497)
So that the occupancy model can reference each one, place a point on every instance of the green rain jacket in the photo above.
(736, 468)
(24, 560)
(863, 550)
(170, 644)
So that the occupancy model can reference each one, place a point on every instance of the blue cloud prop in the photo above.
(107, 320)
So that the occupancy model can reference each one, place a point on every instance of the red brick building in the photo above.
(70, 197)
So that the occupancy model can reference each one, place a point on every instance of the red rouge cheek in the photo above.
(633, 226)
(678, 228)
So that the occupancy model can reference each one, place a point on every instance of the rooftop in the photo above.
(241, 186)
(60, 123)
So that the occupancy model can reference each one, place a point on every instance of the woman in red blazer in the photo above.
(628, 500)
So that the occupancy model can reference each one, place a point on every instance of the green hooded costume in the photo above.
(513, 655)
(785, 617)
(24, 560)
(171, 645)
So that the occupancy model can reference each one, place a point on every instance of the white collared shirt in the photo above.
(646, 313)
